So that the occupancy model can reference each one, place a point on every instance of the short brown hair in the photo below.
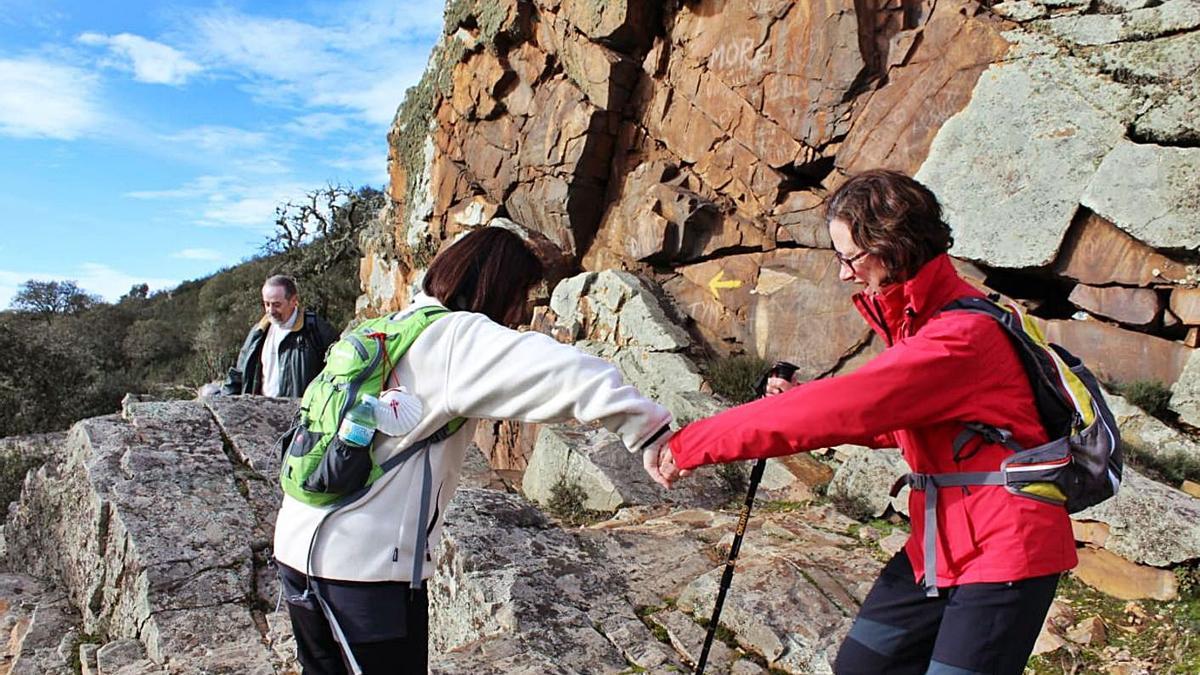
(489, 271)
(894, 217)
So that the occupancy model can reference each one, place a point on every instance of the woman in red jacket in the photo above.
(998, 555)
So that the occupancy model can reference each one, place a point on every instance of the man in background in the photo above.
(285, 350)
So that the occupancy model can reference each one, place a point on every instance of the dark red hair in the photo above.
(489, 271)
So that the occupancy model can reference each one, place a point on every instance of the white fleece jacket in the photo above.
(463, 365)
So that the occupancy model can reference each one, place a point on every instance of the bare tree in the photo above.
(331, 217)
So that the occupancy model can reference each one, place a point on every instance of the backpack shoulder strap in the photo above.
(1057, 411)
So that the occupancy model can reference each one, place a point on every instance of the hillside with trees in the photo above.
(69, 355)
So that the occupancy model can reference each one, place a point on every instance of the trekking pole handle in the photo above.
(780, 369)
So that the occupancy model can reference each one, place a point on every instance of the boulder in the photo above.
(1175, 116)
(1030, 140)
(1185, 393)
(1097, 252)
(1185, 304)
(925, 86)
(622, 24)
(766, 304)
(617, 307)
(1164, 69)
(150, 528)
(1150, 191)
(1132, 306)
(20, 454)
(604, 75)
(123, 657)
(794, 478)
(1020, 11)
(21, 597)
(1118, 355)
(597, 462)
(1149, 436)
(866, 476)
(513, 594)
(1172, 16)
(46, 640)
(1113, 575)
(1149, 523)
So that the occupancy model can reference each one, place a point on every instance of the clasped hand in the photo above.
(660, 463)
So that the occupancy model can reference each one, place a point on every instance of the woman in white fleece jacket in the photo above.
(468, 364)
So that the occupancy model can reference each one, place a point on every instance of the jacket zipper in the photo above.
(875, 313)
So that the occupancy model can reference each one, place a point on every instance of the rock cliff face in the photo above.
(668, 161)
(694, 142)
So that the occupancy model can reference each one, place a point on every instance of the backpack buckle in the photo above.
(916, 481)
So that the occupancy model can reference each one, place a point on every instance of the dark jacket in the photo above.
(940, 369)
(301, 357)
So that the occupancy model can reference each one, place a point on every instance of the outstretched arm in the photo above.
(918, 381)
(498, 373)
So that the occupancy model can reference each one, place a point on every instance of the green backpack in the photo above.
(318, 468)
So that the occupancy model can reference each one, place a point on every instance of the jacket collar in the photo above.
(899, 310)
(265, 322)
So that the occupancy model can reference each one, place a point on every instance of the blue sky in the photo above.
(151, 141)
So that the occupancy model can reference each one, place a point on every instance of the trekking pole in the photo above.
(785, 371)
(727, 578)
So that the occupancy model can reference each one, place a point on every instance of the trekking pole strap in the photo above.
(930, 483)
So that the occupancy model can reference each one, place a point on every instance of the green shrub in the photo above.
(853, 506)
(736, 478)
(1149, 395)
(567, 501)
(13, 467)
(1171, 469)
(733, 378)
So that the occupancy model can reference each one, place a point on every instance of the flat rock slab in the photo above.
(1150, 191)
(513, 592)
(1113, 575)
(1010, 168)
(1150, 436)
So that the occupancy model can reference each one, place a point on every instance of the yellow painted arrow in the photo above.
(719, 281)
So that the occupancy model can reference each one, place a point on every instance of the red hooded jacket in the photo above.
(939, 370)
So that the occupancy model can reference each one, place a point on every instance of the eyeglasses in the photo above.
(849, 262)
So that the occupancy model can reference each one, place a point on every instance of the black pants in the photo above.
(967, 630)
(386, 624)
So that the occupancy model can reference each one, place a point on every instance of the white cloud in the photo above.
(41, 99)
(151, 62)
(231, 201)
(199, 187)
(317, 125)
(206, 254)
(107, 282)
(361, 60)
(218, 139)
